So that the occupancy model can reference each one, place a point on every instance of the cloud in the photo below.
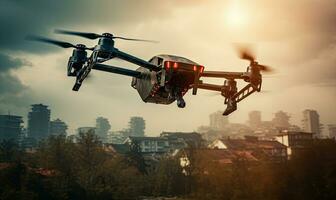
(13, 93)
(7, 63)
(296, 37)
(19, 18)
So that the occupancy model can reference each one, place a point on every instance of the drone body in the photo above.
(174, 79)
(164, 78)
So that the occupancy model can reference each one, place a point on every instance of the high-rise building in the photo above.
(332, 131)
(311, 122)
(281, 120)
(218, 121)
(137, 126)
(38, 121)
(102, 128)
(254, 119)
(57, 127)
(10, 127)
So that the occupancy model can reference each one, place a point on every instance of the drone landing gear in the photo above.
(231, 107)
(76, 86)
(179, 99)
(181, 103)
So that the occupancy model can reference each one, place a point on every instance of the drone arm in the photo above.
(207, 86)
(117, 70)
(227, 75)
(135, 60)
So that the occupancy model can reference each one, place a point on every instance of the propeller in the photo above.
(247, 54)
(94, 36)
(56, 42)
(91, 36)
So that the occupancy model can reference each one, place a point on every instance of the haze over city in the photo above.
(297, 38)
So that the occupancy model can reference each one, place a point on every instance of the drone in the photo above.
(164, 78)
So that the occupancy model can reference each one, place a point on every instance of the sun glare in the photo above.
(235, 16)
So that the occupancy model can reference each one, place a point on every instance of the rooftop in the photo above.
(184, 135)
(118, 148)
(225, 156)
(293, 133)
(141, 138)
(251, 144)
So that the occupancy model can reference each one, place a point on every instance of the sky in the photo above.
(297, 38)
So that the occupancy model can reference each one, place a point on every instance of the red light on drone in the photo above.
(195, 68)
(167, 64)
(175, 65)
(202, 69)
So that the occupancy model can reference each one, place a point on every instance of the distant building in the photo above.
(238, 130)
(38, 121)
(332, 131)
(10, 127)
(137, 127)
(262, 149)
(57, 127)
(102, 128)
(281, 120)
(150, 144)
(311, 122)
(294, 141)
(85, 129)
(116, 137)
(218, 121)
(180, 140)
(233, 130)
(203, 129)
(124, 132)
(29, 143)
(254, 119)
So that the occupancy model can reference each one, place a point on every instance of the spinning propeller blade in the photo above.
(265, 68)
(247, 54)
(132, 39)
(50, 41)
(56, 42)
(91, 36)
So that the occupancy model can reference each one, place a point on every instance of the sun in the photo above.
(235, 16)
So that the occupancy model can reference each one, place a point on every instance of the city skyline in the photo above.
(213, 121)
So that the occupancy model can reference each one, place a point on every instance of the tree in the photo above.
(135, 158)
(89, 158)
(168, 178)
(57, 152)
(9, 151)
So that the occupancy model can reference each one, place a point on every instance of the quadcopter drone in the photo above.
(164, 78)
